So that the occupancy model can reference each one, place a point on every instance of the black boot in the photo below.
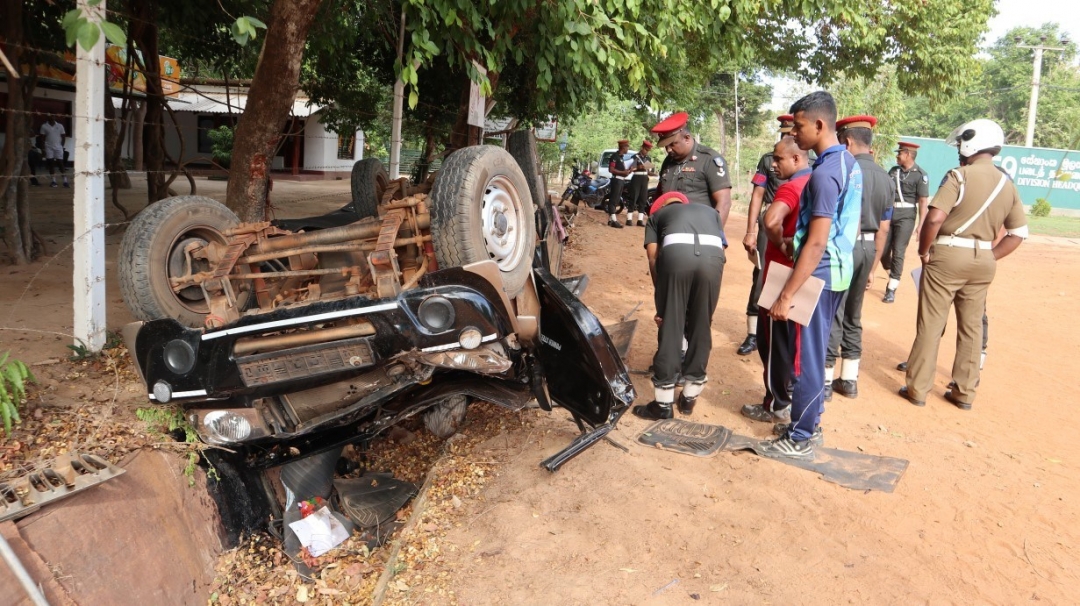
(846, 388)
(749, 346)
(890, 296)
(686, 405)
(654, 411)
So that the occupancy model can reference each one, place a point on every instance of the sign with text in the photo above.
(1038, 172)
(546, 131)
(116, 58)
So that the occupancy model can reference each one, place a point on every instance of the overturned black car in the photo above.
(283, 340)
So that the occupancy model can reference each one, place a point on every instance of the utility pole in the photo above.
(1035, 80)
(89, 244)
(737, 138)
(399, 100)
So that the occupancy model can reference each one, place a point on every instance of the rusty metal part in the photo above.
(61, 477)
(420, 271)
(299, 273)
(362, 230)
(305, 362)
(249, 345)
(358, 246)
(383, 261)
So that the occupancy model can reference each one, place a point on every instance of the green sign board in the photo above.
(1051, 174)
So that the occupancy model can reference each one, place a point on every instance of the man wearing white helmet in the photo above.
(958, 255)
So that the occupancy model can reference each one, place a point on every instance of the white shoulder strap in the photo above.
(959, 179)
(985, 205)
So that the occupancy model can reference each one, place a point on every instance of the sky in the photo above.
(1011, 13)
(1033, 13)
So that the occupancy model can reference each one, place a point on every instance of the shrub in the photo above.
(1041, 208)
(221, 144)
(13, 378)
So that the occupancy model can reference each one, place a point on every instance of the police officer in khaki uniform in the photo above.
(912, 189)
(959, 259)
(766, 182)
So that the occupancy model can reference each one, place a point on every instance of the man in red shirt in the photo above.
(790, 163)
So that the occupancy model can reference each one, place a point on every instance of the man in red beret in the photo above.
(765, 183)
(692, 168)
(911, 194)
(638, 201)
(620, 175)
(684, 244)
(845, 340)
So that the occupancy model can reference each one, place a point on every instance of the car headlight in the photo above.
(179, 356)
(436, 313)
(226, 426)
(229, 426)
(470, 338)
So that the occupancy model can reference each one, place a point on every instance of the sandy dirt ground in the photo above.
(985, 514)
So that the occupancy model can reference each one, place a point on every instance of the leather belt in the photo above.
(867, 235)
(958, 242)
(903, 205)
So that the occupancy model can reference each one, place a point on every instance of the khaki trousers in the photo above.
(954, 277)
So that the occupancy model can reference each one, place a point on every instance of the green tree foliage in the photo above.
(1001, 90)
(878, 96)
(577, 46)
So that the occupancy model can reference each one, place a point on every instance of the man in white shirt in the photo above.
(52, 135)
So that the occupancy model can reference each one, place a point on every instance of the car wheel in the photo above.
(153, 251)
(369, 182)
(447, 416)
(522, 146)
(481, 209)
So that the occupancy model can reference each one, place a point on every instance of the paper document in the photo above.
(802, 304)
(319, 532)
(916, 274)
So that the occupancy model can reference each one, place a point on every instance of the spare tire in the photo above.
(369, 182)
(522, 146)
(445, 418)
(481, 209)
(152, 252)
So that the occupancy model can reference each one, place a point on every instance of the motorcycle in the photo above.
(583, 188)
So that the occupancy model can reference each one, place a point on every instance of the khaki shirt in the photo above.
(980, 179)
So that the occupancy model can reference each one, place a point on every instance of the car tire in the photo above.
(369, 182)
(152, 252)
(445, 418)
(481, 209)
(522, 146)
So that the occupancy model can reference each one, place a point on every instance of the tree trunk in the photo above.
(144, 33)
(271, 95)
(13, 166)
(723, 132)
(459, 135)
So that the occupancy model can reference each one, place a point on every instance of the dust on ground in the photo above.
(986, 512)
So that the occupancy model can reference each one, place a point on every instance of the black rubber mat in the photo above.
(698, 439)
(854, 470)
(374, 498)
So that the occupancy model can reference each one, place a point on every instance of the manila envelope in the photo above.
(805, 299)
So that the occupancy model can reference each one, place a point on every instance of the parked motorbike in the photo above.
(583, 188)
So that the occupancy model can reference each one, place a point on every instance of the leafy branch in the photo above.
(13, 378)
(85, 26)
